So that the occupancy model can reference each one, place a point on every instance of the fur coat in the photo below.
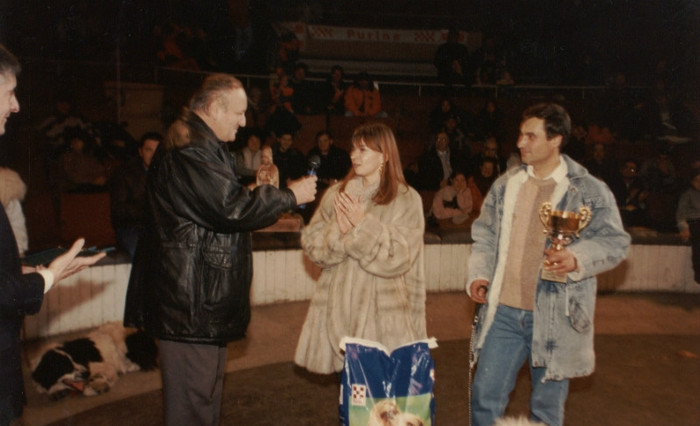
(12, 192)
(373, 281)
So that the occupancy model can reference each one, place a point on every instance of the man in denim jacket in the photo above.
(527, 317)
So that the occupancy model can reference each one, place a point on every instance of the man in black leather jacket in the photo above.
(191, 276)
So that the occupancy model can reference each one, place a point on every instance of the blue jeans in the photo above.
(506, 348)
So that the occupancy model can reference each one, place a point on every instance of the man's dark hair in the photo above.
(556, 120)
(321, 133)
(149, 136)
(9, 64)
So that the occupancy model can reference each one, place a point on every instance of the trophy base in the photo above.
(553, 276)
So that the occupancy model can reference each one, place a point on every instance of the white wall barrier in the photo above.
(96, 295)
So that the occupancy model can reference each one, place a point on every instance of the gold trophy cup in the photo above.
(561, 228)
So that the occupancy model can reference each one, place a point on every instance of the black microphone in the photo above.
(314, 163)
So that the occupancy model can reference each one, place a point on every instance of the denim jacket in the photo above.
(562, 340)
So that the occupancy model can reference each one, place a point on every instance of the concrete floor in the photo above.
(274, 330)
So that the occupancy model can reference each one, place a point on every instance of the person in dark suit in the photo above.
(22, 289)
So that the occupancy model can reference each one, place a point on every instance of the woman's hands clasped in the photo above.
(349, 211)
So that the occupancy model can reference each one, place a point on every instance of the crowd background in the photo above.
(627, 71)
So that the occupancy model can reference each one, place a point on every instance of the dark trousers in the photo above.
(193, 380)
(694, 226)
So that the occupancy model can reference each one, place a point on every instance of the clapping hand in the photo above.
(69, 263)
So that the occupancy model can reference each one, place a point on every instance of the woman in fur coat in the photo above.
(12, 192)
(367, 235)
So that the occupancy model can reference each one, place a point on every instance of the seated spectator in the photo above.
(439, 162)
(249, 158)
(258, 108)
(452, 204)
(490, 120)
(599, 165)
(290, 162)
(128, 194)
(335, 91)
(268, 173)
(281, 93)
(667, 118)
(80, 169)
(631, 195)
(445, 108)
(362, 99)
(458, 139)
(491, 149)
(688, 220)
(12, 192)
(660, 178)
(576, 147)
(304, 100)
(481, 182)
(335, 162)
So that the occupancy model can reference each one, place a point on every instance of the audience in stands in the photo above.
(439, 162)
(175, 42)
(281, 92)
(452, 204)
(490, 120)
(12, 192)
(621, 110)
(335, 91)
(362, 98)
(667, 118)
(334, 161)
(247, 159)
(304, 99)
(258, 108)
(631, 195)
(490, 61)
(600, 165)
(481, 182)
(128, 194)
(491, 149)
(444, 109)
(80, 169)
(452, 62)
(64, 117)
(458, 139)
(688, 220)
(290, 162)
(576, 147)
(662, 181)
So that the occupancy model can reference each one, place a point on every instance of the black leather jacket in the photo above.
(192, 271)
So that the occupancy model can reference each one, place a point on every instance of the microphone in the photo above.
(314, 163)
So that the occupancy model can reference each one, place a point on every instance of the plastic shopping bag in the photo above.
(380, 388)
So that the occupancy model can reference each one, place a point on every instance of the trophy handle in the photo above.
(545, 212)
(586, 215)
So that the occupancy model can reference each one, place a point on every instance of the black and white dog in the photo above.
(92, 364)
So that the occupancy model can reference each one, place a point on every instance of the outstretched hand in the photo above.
(69, 262)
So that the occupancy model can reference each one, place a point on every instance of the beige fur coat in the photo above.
(372, 285)
(12, 192)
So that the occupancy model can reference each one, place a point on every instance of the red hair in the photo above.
(380, 138)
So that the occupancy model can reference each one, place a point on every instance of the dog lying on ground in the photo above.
(91, 365)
